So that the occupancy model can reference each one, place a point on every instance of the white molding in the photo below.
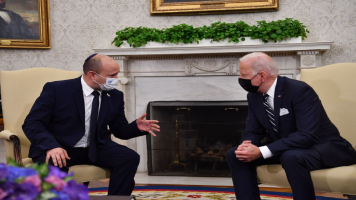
(269, 47)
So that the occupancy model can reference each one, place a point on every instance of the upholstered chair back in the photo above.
(19, 90)
(335, 85)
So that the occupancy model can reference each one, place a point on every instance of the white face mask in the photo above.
(110, 84)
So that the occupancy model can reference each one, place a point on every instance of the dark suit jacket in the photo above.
(305, 126)
(57, 117)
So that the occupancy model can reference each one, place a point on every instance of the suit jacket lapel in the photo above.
(79, 99)
(278, 96)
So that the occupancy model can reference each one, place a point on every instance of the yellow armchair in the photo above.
(335, 85)
(19, 90)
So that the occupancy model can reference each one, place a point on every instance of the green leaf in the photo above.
(13, 162)
(274, 30)
(46, 186)
(46, 196)
(42, 170)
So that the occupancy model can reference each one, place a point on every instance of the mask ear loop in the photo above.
(255, 77)
(261, 81)
(100, 75)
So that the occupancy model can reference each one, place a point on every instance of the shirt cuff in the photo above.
(266, 153)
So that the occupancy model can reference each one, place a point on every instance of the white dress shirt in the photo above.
(88, 101)
(5, 16)
(266, 153)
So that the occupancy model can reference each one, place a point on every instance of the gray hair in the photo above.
(260, 61)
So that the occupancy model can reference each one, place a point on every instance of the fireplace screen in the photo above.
(194, 137)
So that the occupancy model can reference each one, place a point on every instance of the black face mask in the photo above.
(247, 85)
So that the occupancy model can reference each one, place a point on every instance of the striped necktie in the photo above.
(269, 112)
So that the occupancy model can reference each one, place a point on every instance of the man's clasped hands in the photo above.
(247, 152)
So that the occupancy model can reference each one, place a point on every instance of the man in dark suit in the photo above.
(301, 136)
(13, 26)
(68, 124)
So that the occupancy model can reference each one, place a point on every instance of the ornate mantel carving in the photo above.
(211, 66)
(309, 59)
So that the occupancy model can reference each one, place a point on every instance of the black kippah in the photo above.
(92, 55)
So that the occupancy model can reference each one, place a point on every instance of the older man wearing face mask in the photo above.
(301, 136)
(13, 26)
(68, 123)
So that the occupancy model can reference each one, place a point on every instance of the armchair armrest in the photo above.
(13, 140)
(6, 134)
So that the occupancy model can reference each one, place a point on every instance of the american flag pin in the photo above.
(108, 94)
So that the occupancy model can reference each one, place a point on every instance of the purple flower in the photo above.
(3, 194)
(3, 171)
(34, 180)
(56, 181)
(27, 191)
(18, 183)
(55, 171)
(9, 187)
(60, 195)
(24, 191)
(18, 172)
(76, 191)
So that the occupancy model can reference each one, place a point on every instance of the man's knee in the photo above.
(134, 158)
(292, 157)
(230, 155)
(42, 159)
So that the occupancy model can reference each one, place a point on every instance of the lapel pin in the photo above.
(108, 94)
(279, 95)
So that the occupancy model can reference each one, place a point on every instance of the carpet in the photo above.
(195, 192)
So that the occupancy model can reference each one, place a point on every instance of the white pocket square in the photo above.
(283, 111)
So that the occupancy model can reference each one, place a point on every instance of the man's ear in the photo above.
(264, 76)
(91, 75)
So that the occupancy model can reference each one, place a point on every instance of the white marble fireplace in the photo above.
(197, 73)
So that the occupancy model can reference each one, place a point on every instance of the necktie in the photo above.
(93, 126)
(269, 112)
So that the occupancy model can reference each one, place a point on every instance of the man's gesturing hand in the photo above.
(147, 125)
(58, 156)
(247, 152)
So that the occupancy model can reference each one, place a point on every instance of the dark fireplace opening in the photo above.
(194, 137)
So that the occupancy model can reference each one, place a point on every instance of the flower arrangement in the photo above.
(38, 182)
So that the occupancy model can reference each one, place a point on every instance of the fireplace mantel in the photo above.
(197, 73)
(181, 50)
(309, 53)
